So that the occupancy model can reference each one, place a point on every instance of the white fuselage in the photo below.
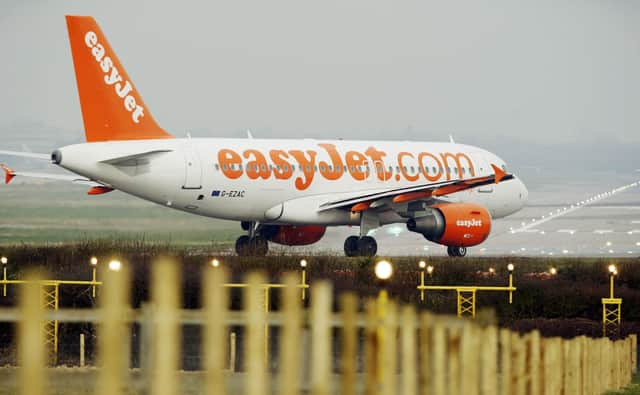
(285, 181)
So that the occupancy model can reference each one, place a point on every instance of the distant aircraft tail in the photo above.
(112, 108)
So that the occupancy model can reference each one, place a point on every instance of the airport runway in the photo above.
(609, 226)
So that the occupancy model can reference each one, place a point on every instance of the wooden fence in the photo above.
(368, 346)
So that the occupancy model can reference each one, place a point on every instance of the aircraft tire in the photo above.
(367, 246)
(351, 246)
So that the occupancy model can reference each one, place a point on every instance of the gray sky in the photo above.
(486, 71)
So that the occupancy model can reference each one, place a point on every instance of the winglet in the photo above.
(500, 174)
(8, 173)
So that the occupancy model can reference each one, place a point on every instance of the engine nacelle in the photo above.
(455, 224)
(294, 235)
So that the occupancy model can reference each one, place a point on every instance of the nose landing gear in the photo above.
(360, 246)
(457, 252)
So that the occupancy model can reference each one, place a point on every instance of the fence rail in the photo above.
(372, 346)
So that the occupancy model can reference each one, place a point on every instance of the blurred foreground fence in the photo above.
(369, 346)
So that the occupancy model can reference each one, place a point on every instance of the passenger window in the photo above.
(308, 168)
(413, 170)
(278, 167)
(263, 167)
(426, 169)
(434, 169)
(225, 167)
(217, 167)
(397, 169)
(352, 169)
(322, 168)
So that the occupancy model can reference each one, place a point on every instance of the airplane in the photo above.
(281, 191)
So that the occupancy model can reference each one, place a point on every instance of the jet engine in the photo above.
(454, 224)
(293, 235)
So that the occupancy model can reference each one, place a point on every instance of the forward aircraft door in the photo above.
(193, 167)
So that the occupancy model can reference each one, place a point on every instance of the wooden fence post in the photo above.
(215, 306)
(167, 336)
(254, 344)
(489, 361)
(605, 350)
(387, 356)
(370, 347)
(409, 360)
(553, 367)
(470, 359)
(320, 339)
(634, 353)
(453, 357)
(289, 366)
(425, 355)
(31, 347)
(349, 307)
(82, 350)
(518, 358)
(232, 352)
(505, 362)
(533, 362)
(113, 333)
(439, 362)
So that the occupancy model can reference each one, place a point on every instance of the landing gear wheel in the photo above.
(360, 246)
(351, 246)
(242, 245)
(367, 246)
(246, 246)
(456, 251)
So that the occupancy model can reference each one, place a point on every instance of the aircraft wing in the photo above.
(416, 192)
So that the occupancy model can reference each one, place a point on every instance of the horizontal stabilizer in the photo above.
(31, 155)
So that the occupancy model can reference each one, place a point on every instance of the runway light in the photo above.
(4, 260)
(422, 264)
(430, 269)
(492, 270)
(638, 243)
(510, 267)
(215, 262)
(553, 271)
(613, 269)
(383, 270)
(609, 244)
(115, 265)
(93, 261)
(565, 251)
(303, 263)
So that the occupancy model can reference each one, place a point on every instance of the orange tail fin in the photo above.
(112, 108)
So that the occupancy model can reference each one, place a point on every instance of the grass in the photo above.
(632, 389)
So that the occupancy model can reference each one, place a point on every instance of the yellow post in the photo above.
(422, 285)
(113, 334)
(4, 279)
(166, 352)
(304, 283)
(215, 304)
(510, 287)
(31, 350)
(611, 285)
(321, 339)
(466, 301)
(257, 382)
(93, 280)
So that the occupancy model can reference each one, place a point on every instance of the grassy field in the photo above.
(59, 213)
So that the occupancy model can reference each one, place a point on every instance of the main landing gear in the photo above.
(360, 246)
(252, 244)
(457, 252)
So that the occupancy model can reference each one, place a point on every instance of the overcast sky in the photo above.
(524, 72)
